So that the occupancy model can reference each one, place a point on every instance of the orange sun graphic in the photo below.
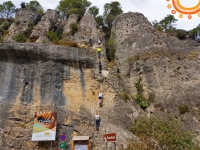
(189, 11)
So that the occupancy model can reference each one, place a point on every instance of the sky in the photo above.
(151, 9)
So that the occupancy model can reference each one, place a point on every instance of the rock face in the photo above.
(41, 77)
(168, 67)
(47, 23)
(87, 29)
(72, 19)
(24, 20)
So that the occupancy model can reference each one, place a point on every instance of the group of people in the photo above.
(100, 95)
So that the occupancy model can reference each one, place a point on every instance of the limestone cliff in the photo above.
(168, 67)
(38, 77)
(45, 77)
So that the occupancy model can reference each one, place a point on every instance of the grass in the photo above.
(66, 43)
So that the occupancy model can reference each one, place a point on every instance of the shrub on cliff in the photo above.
(167, 134)
(183, 109)
(181, 34)
(21, 38)
(110, 45)
(73, 27)
(140, 97)
(52, 36)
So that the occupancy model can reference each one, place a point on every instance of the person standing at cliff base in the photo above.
(97, 121)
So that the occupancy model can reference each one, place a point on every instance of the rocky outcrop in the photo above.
(168, 67)
(87, 30)
(72, 19)
(25, 18)
(47, 23)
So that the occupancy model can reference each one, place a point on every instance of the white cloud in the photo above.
(152, 9)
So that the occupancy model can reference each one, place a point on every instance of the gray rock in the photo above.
(25, 18)
(47, 23)
(87, 30)
(72, 19)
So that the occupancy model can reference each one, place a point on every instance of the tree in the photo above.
(68, 7)
(193, 32)
(111, 10)
(168, 23)
(181, 34)
(35, 5)
(7, 10)
(99, 20)
(157, 25)
(94, 10)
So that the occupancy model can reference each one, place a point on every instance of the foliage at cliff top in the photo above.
(68, 7)
(35, 5)
(7, 9)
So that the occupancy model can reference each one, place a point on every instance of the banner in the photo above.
(44, 128)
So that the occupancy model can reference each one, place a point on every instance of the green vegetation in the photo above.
(21, 38)
(4, 26)
(94, 10)
(110, 44)
(167, 134)
(181, 34)
(52, 36)
(73, 27)
(7, 10)
(35, 5)
(140, 98)
(183, 109)
(193, 32)
(111, 11)
(167, 24)
(68, 7)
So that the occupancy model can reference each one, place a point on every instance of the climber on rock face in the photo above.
(99, 52)
(100, 98)
(90, 41)
(100, 66)
(97, 121)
